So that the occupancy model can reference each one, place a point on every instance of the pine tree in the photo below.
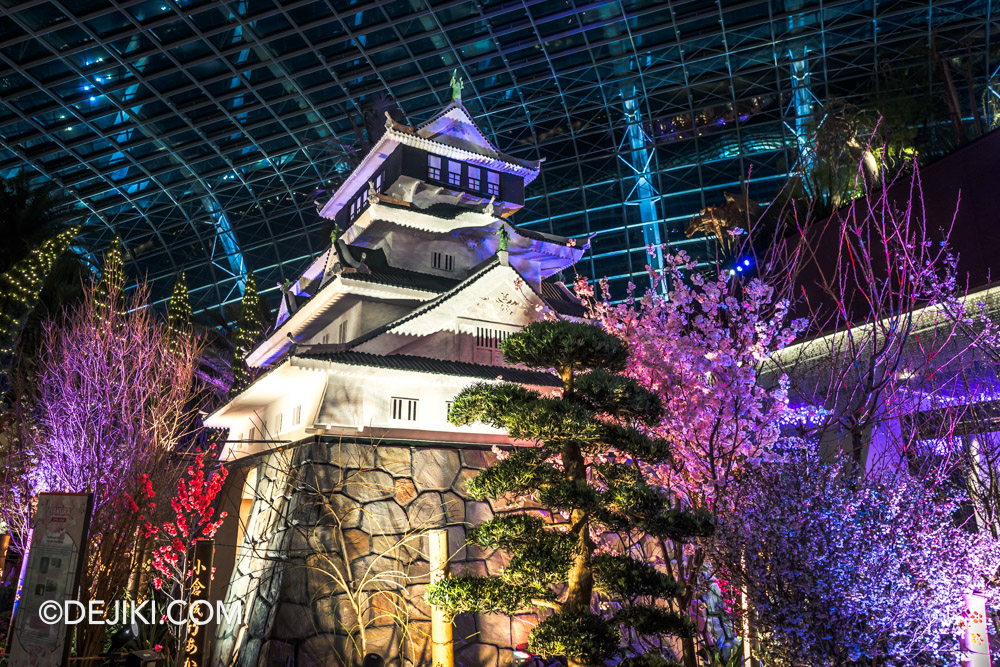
(111, 285)
(179, 308)
(21, 286)
(247, 334)
(585, 465)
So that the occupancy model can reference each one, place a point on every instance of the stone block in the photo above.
(435, 469)
(293, 621)
(470, 568)
(494, 629)
(521, 626)
(457, 542)
(405, 491)
(416, 605)
(353, 455)
(426, 512)
(276, 654)
(322, 477)
(348, 511)
(370, 486)
(477, 655)
(454, 507)
(325, 649)
(383, 518)
(358, 543)
(385, 642)
(477, 512)
(334, 613)
(462, 480)
(395, 460)
(478, 458)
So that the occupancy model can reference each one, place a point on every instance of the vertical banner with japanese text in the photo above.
(199, 610)
(52, 576)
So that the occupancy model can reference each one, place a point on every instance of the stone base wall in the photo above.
(337, 528)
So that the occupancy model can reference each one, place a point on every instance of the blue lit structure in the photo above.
(204, 132)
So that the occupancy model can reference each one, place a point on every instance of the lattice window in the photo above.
(404, 409)
(296, 415)
(490, 338)
(493, 183)
(474, 181)
(441, 261)
(454, 173)
(434, 167)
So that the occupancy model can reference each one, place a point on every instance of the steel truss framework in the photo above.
(204, 132)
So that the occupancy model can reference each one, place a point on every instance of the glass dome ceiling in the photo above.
(205, 133)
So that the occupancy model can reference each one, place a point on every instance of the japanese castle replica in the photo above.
(340, 453)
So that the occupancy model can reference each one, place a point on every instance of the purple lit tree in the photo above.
(107, 403)
(845, 569)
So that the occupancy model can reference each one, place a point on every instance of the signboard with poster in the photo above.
(52, 572)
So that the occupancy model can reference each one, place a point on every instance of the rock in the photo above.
(494, 629)
(477, 512)
(293, 621)
(465, 628)
(369, 486)
(457, 542)
(477, 655)
(478, 458)
(454, 507)
(322, 477)
(334, 613)
(521, 626)
(353, 455)
(383, 518)
(462, 480)
(348, 511)
(416, 603)
(358, 543)
(395, 460)
(470, 568)
(324, 649)
(435, 469)
(385, 642)
(405, 491)
(426, 512)
(495, 563)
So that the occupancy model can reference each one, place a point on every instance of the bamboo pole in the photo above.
(442, 650)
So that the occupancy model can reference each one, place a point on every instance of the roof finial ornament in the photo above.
(456, 87)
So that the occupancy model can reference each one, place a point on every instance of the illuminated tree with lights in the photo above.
(110, 400)
(179, 307)
(110, 287)
(846, 569)
(582, 467)
(21, 286)
(248, 333)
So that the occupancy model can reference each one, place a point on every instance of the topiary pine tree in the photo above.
(21, 287)
(111, 285)
(247, 334)
(179, 308)
(585, 464)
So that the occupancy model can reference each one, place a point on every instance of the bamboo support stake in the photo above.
(442, 651)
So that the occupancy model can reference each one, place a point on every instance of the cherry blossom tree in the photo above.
(846, 569)
(192, 512)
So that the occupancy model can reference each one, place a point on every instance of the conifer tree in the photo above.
(179, 308)
(111, 285)
(247, 334)
(589, 445)
(21, 286)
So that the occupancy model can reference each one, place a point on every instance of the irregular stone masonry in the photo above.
(319, 502)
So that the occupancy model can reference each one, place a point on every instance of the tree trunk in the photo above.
(580, 589)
